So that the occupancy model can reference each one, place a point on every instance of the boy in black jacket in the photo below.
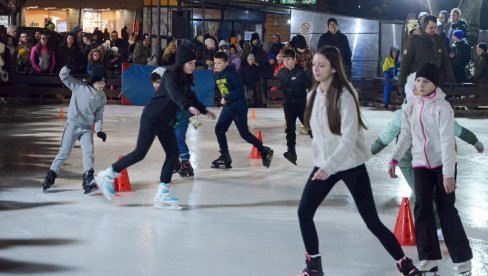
(234, 110)
(294, 82)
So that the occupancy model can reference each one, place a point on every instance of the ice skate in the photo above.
(89, 185)
(49, 180)
(223, 162)
(314, 266)
(186, 169)
(428, 268)
(406, 267)
(168, 202)
(464, 268)
(291, 156)
(177, 167)
(267, 155)
(105, 182)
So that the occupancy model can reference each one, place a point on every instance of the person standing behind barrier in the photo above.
(480, 64)
(234, 110)
(85, 109)
(428, 127)
(95, 59)
(339, 152)
(142, 52)
(460, 55)
(443, 26)
(334, 37)
(69, 51)
(390, 73)
(424, 47)
(157, 120)
(295, 83)
(43, 57)
(456, 24)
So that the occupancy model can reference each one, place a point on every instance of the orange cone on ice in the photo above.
(253, 115)
(122, 183)
(61, 114)
(404, 228)
(255, 154)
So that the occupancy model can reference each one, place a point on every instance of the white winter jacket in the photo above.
(334, 153)
(428, 126)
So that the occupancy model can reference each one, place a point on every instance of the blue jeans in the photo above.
(387, 91)
(181, 127)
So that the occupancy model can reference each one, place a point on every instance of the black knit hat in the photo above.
(332, 19)
(482, 45)
(429, 71)
(255, 36)
(184, 54)
(299, 42)
(99, 74)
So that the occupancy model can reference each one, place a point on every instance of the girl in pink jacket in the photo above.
(428, 126)
(43, 57)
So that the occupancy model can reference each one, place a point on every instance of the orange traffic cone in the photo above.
(61, 113)
(255, 154)
(404, 228)
(122, 183)
(253, 115)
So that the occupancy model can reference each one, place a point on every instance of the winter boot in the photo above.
(49, 180)
(406, 267)
(291, 156)
(89, 184)
(267, 155)
(177, 167)
(186, 169)
(314, 266)
(223, 162)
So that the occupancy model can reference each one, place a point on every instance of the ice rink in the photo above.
(241, 221)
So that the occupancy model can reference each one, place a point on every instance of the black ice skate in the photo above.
(49, 180)
(186, 169)
(314, 266)
(89, 184)
(291, 156)
(223, 162)
(267, 155)
(406, 267)
(177, 167)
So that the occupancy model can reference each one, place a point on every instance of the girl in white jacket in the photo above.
(339, 153)
(428, 126)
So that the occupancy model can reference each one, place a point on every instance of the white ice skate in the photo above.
(428, 267)
(464, 268)
(162, 199)
(168, 202)
(105, 182)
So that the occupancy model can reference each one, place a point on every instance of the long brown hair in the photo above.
(332, 96)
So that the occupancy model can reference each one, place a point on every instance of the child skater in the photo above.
(428, 126)
(157, 119)
(295, 83)
(339, 153)
(234, 110)
(85, 109)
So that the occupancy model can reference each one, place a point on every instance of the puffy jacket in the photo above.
(334, 153)
(428, 126)
(294, 83)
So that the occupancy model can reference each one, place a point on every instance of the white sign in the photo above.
(247, 35)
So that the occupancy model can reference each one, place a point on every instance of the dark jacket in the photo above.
(294, 83)
(231, 88)
(462, 53)
(275, 49)
(460, 25)
(250, 75)
(65, 54)
(480, 69)
(258, 53)
(421, 49)
(123, 46)
(340, 41)
(171, 97)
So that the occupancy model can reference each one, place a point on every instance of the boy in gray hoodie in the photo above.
(85, 109)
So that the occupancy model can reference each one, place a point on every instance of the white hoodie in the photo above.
(334, 153)
(428, 126)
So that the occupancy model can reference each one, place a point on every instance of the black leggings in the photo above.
(357, 181)
(147, 132)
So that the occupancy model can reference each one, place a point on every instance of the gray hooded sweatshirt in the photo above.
(86, 104)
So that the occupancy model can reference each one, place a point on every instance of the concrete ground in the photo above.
(241, 221)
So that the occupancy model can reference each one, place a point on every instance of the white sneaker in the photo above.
(428, 266)
(464, 267)
(105, 182)
(440, 235)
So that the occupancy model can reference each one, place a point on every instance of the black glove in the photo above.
(102, 135)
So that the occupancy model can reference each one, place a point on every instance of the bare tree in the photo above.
(471, 12)
(15, 7)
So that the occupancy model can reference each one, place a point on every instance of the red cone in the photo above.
(255, 154)
(122, 183)
(404, 228)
